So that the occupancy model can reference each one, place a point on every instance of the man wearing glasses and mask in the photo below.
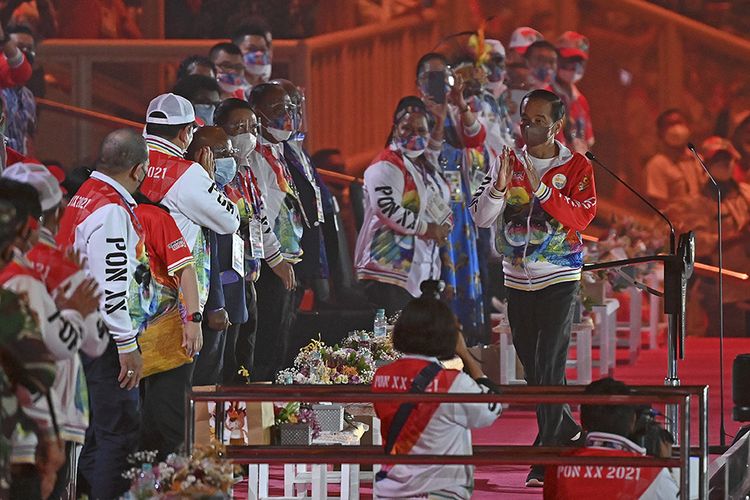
(276, 298)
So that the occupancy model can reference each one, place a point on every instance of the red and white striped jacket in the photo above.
(439, 429)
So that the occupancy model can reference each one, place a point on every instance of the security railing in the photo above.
(683, 397)
(730, 474)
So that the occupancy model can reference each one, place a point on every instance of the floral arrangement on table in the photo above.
(318, 363)
(204, 474)
(627, 239)
(296, 413)
(381, 347)
(352, 362)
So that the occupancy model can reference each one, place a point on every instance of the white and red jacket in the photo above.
(68, 393)
(430, 429)
(61, 332)
(572, 482)
(539, 232)
(99, 222)
(193, 199)
(389, 246)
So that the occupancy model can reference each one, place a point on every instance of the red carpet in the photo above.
(700, 366)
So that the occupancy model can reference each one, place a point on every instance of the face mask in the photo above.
(205, 112)
(279, 134)
(571, 75)
(412, 146)
(496, 73)
(231, 82)
(474, 103)
(496, 88)
(189, 140)
(677, 135)
(535, 135)
(258, 63)
(541, 76)
(277, 127)
(226, 169)
(140, 175)
(244, 143)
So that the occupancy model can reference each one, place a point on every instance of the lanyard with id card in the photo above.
(238, 254)
(477, 177)
(256, 239)
(438, 209)
(318, 201)
(454, 181)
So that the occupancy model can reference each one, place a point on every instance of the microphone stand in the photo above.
(722, 432)
(675, 284)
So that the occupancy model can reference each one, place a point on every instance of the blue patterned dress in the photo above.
(460, 262)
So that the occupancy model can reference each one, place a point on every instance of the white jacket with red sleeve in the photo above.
(99, 222)
(193, 200)
(390, 247)
(539, 232)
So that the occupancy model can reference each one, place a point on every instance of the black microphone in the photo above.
(691, 147)
(672, 246)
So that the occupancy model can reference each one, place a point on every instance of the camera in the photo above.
(650, 434)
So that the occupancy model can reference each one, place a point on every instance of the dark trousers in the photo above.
(25, 482)
(163, 424)
(277, 311)
(239, 348)
(392, 298)
(540, 322)
(209, 364)
(113, 429)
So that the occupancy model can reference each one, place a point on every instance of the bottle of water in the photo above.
(380, 324)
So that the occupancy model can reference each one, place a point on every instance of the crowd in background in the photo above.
(183, 257)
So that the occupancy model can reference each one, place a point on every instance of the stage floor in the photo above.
(700, 366)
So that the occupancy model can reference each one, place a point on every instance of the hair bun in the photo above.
(432, 288)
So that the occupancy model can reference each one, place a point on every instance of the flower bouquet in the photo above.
(318, 363)
(381, 348)
(204, 474)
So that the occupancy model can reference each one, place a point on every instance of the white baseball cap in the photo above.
(523, 37)
(50, 194)
(170, 109)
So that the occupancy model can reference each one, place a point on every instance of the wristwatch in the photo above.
(196, 317)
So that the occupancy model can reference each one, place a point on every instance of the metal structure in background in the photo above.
(683, 397)
(339, 72)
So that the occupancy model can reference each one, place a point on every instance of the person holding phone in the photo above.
(407, 213)
(459, 137)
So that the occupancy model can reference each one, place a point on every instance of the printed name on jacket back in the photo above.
(116, 269)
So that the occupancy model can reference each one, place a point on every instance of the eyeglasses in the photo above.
(225, 152)
(243, 126)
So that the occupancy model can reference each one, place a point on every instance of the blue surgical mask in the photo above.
(226, 169)
(205, 112)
